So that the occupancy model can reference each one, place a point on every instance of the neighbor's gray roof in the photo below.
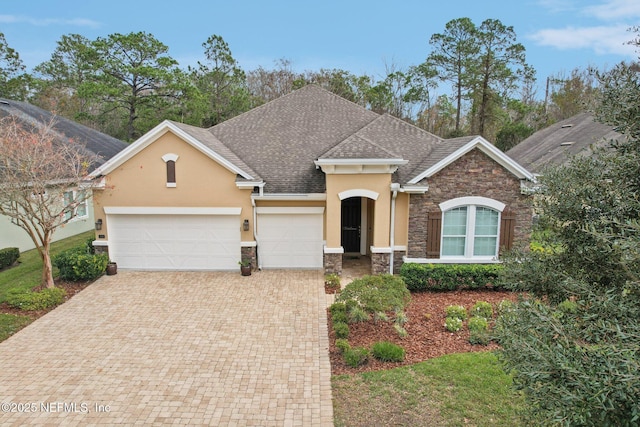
(98, 143)
(555, 144)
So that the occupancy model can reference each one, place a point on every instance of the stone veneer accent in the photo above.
(474, 174)
(333, 264)
(380, 263)
(397, 261)
(249, 252)
(101, 249)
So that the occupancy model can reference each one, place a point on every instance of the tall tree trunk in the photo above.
(47, 267)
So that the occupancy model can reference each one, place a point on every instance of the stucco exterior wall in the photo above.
(474, 174)
(379, 183)
(141, 181)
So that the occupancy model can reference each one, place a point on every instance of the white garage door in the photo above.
(290, 237)
(174, 241)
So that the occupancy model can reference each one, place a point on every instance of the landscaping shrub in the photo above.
(332, 281)
(387, 352)
(357, 315)
(478, 330)
(342, 345)
(78, 265)
(338, 312)
(28, 301)
(356, 356)
(8, 256)
(453, 324)
(505, 306)
(341, 329)
(401, 317)
(376, 293)
(456, 311)
(482, 309)
(449, 277)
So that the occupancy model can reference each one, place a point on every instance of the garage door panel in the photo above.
(175, 242)
(290, 240)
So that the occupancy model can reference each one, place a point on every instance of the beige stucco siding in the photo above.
(141, 181)
(379, 183)
(401, 220)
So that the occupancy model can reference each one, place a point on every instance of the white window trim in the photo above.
(171, 157)
(471, 203)
(74, 215)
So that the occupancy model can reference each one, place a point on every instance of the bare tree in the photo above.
(42, 181)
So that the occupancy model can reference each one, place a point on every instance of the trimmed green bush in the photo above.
(78, 265)
(338, 312)
(453, 324)
(456, 311)
(376, 293)
(41, 300)
(8, 256)
(342, 345)
(387, 351)
(450, 277)
(482, 309)
(358, 315)
(341, 329)
(356, 356)
(478, 330)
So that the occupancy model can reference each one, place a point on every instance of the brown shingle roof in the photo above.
(281, 139)
(555, 144)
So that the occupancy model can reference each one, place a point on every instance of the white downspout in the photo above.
(394, 187)
(255, 232)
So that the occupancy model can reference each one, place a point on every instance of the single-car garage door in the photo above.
(290, 237)
(196, 240)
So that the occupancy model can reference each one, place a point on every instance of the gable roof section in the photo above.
(452, 149)
(98, 143)
(281, 139)
(199, 138)
(555, 144)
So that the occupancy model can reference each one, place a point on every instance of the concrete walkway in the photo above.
(183, 348)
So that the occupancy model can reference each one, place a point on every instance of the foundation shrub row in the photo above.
(450, 277)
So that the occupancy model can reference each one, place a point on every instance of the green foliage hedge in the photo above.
(78, 265)
(8, 256)
(450, 277)
(387, 351)
(41, 300)
(376, 293)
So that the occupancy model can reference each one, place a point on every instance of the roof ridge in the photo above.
(411, 125)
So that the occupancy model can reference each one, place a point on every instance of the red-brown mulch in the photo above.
(427, 337)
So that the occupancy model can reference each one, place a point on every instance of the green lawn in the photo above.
(468, 389)
(27, 275)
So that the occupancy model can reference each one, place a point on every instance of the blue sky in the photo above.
(363, 37)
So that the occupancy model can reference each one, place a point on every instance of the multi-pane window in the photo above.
(470, 231)
(73, 210)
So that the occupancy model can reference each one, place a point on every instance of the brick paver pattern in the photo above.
(178, 348)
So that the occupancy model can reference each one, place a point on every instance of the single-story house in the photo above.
(299, 182)
(556, 144)
(66, 130)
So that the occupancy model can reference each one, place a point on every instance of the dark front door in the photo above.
(351, 224)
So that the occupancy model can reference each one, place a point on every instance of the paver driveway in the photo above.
(151, 348)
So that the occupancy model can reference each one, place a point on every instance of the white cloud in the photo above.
(615, 10)
(76, 22)
(600, 39)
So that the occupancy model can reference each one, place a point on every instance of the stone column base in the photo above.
(249, 252)
(333, 263)
(380, 262)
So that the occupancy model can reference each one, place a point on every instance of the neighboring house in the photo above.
(97, 143)
(302, 180)
(556, 144)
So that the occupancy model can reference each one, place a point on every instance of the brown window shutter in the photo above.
(507, 229)
(434, 230)
(171, 171)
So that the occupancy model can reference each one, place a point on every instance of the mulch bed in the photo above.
(71, 288)
(427, 338)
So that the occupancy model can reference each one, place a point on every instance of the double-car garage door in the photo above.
(209, 238)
